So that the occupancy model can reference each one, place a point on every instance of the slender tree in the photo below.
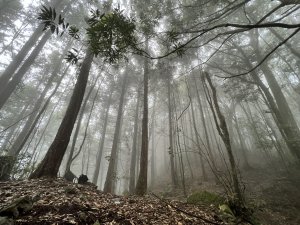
(17, 147)
(171, 133)
(111, 171)
(102, 139)
(141, 186)
(18, 59)
(71, 156)
(133, 160)
(224, 134)
(51, 162)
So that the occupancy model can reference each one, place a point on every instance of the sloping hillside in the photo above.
(60, 202)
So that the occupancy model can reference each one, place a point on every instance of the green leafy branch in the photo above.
(72, 56)
(110, 35)
(56, 23)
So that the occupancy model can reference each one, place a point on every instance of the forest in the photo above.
(150, 112)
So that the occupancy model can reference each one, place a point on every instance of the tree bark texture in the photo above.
(224, 134)
(111, 173)
(141, 186)
(53, 158)
(102, 140)
(134, 145)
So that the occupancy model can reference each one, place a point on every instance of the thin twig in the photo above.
(17, 122)
(184, 110)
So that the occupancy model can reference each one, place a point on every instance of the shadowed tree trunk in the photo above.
(134, 145)
(11, 85)
(224, 134)
(184, 125)
(153, 142)
(178, 133)
(141, 186)
(17, 60)
(35, 120)
(210, 153)
(13, 129)
(278, 106)
(204, 176)
(288, 122)
(17, 146)
(15, 63)
(101, 145)
(53, 158)
(171, 142)
(111, 173)
(71, 156)
(86, 132)
(242, 143)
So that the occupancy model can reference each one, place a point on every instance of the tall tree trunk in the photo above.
(178, 143)
(76, 132)
(258, 138)
(184, 125)
(117, 163)
(102, 140)
(138, 155)
(204, 176)
(18, 59)
(86, 130)
(242, 143)
(52, 161)
(273, 135)
(36, 119)
(111, 173)
(13, 129)
(11, 85)
(17, 146)
(132, 173)
(224, 134)
(289, 124)
(41, 140)
(279, 108)
(141, 186)
(153, 142)
(202, 115)
(15, 63)
(171, 132)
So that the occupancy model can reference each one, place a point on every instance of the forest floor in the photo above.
(274, 194)
(60, 202)
(277, 194)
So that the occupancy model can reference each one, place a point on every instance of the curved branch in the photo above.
(243, 27)
(248, 26)
(266, 56)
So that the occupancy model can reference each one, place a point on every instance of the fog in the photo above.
(152, 96)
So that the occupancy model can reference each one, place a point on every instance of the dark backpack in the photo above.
(83, 179)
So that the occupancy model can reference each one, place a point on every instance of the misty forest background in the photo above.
(150, 95)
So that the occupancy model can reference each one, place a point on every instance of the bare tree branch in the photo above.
(266, 56)
(244, 27)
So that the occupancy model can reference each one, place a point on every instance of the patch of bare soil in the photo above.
(48, 201)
